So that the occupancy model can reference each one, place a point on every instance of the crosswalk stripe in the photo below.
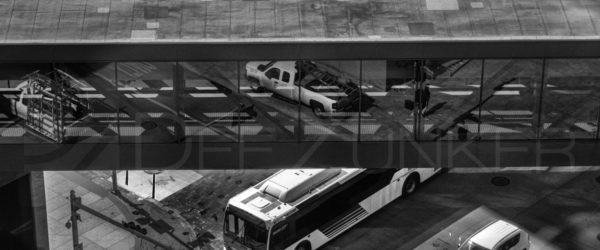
(457, 92)
(507, 92)
(207, 95)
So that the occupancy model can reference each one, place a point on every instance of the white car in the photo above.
(498, 235)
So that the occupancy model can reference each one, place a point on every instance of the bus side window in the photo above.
(280, 237)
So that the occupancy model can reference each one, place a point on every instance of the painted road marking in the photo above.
(586, 126)
(207, 95)
(507, 92)
(572, 92)
(504, 112)
(514, 85)
(206, 88)
(127, 89)
(259, 94)
(166, 88)
(91, 96)
(151, 95)
(457, 92)
(376, 93)
(401, 87)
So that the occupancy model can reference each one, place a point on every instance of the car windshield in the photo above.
(245, 231)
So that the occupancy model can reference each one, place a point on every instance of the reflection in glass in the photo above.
(571, 101)
(95, 118)
(450, 110)
(210, 102)
(147, 103)
(330, 94)
(391, 86)
(271, 90)
(510, 97)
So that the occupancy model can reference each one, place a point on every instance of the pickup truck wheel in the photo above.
(255, 85)
(317, 109)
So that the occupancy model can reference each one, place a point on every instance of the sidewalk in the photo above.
(162, 224)
(94, 233)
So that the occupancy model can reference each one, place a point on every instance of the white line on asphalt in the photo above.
(514, 85)
(457, 93)
(376, 93)
(506, 92)
(325, 87)
(151, 95)
(259, 94)
(166, 88)
(207, 95)
(126, 89)
(572, 92)
(401, 87)
(206, 88)
(87, 89)
(10, 96)
(9, 89)
(91, 96)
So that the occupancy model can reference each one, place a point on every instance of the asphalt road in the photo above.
(561, 210)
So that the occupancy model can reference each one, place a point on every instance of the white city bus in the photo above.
(302, 209)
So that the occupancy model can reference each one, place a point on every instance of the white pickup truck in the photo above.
(283, 78)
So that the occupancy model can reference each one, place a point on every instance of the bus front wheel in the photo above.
(305, 245)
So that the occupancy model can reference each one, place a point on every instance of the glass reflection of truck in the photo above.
(303, 81)
(498, 235)
(302, 209)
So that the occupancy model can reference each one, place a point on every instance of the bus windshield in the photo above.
(245, 230)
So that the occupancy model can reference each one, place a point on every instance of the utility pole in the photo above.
(73, 222)
(115, 190)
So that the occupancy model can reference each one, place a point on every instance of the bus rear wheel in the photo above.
(305, 245)
(410, 185)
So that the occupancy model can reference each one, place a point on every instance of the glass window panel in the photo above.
(330, 98)
(146, 102)
(92, 115)
(14, 102)
(211, 103)
(389, 86)
(511, 89)
(451, 112)
(273, 102)
(571, 100)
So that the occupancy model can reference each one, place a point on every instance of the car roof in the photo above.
(493, 233)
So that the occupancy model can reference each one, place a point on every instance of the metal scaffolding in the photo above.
(48, 99)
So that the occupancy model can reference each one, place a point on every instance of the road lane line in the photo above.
(457, 92)
(207, 95)
(507, 92)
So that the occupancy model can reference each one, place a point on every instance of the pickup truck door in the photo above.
(274, 83)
